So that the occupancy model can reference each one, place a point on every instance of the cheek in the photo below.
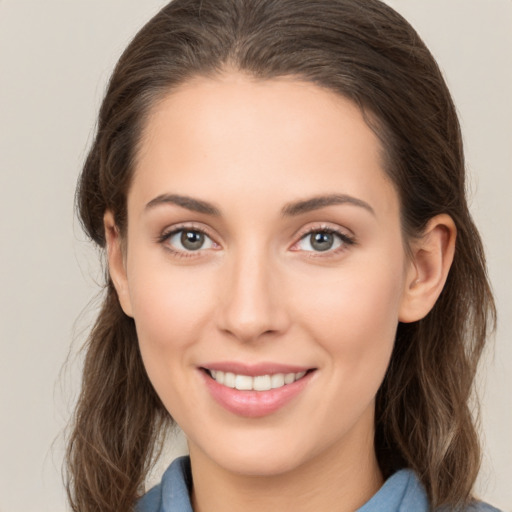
(169, 306)
(354, 318)
(169, 309)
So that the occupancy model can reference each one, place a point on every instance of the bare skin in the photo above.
(263, 231)
(341, 479)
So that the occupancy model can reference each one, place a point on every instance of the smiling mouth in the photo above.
(254, 391)
(255, 383)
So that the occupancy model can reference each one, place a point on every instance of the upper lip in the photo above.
(253, 370)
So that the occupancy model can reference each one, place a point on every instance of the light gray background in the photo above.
(55, 57)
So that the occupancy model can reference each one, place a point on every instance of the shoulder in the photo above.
(151, 501)
(414, 496)
(172, 493)
(403, 492)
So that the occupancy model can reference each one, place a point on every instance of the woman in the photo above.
(294, 276)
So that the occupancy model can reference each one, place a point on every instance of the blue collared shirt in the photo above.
(402, 492)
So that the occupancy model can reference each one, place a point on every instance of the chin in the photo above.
(258, 464)
(259, 455)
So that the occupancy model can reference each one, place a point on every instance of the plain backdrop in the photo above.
(55, 58)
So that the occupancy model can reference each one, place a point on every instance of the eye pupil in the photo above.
(322, 241)
(192, 240)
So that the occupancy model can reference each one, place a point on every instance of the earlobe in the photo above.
(116, 262)
(432, 256)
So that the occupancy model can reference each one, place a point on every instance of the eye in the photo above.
(323, 240)
(188, 240)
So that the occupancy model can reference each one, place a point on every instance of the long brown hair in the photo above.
(368, 53)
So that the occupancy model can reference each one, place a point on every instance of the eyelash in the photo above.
(346, 240)
(167, 235)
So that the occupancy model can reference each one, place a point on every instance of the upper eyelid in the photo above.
(299, 234)
(344, 234)
(176, 228)
(323, 226)
(166, 235)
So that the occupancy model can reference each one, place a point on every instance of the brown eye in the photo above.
(188, 240)
(321, 241)
(192, 240)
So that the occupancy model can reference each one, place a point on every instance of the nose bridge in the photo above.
(251, 305)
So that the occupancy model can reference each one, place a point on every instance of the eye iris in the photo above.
(322, 241)
(192, 240)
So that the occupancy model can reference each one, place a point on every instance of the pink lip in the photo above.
(265, 368)
(254, 404)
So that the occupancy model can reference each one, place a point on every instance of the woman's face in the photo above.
(264, 252)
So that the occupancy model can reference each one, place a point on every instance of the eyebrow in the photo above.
(195, 205)
(289, 210)
(315, 203)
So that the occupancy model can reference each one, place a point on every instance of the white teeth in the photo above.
(262, 383)
(277, 381)
(219, 377)
(229, 380)
(243, 382)
(289, 378)
(258, 383)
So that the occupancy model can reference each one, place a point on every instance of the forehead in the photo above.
(234, 134)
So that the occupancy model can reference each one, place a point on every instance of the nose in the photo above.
(252, 305)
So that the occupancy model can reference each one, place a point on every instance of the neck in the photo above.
(341, 479)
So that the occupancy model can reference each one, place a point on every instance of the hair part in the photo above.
(369, 54)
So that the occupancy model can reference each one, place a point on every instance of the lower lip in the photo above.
(255, 404)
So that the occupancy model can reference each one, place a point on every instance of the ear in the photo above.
(116, 262)
(432, 256)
